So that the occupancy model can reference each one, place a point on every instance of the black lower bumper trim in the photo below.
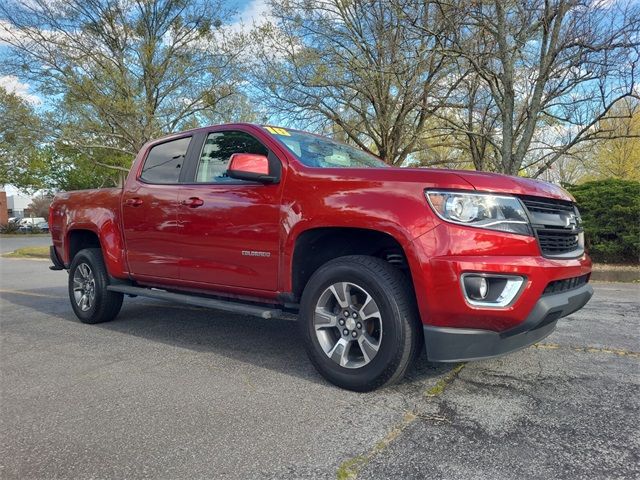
(446, 344)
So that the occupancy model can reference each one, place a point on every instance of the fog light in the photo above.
(487, 290)
(484, 288)
(476, 287)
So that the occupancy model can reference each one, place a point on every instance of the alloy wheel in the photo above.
(84, 287)
(348, 325)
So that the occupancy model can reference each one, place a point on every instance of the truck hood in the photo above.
(435, 178)
(496, 183)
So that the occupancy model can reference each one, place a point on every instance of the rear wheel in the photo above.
(88, 281)
(359, 324)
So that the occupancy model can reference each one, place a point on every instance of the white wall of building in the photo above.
(17, 203)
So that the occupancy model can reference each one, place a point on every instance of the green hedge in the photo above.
(610, 210)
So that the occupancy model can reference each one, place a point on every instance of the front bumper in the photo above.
(446, 344)
(440, 258)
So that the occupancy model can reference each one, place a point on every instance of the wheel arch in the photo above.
(108, 241)
(79, 239)
(316, 246)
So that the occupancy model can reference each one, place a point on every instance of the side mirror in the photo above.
(249, 166)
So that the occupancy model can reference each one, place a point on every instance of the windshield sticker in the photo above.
(278, 131)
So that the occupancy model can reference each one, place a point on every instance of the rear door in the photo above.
(149, 212)
(230, 228)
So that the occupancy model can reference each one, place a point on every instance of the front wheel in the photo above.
(359, 322)
(88, 281)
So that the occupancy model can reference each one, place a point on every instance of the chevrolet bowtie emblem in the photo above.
(571, 221)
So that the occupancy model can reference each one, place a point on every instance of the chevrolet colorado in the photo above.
(375, 260)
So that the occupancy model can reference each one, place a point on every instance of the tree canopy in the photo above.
(536, 87)
(120, 72)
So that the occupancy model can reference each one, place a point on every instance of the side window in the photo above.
(217, 151)
(164, 161)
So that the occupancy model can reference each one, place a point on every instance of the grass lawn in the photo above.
(29, 252)
(26, 235)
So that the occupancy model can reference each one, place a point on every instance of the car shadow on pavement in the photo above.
(273, 344)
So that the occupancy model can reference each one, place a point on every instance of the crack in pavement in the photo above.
(349, 469)
(588, 349)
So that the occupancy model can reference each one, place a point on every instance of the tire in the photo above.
(387, 342)
(88, 281)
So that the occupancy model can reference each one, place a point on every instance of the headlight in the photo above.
(481, 210)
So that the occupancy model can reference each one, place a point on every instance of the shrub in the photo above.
(610, 210)
(11, 227)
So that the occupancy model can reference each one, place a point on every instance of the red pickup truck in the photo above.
(375, 260)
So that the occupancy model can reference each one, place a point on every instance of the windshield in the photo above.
(321, 152)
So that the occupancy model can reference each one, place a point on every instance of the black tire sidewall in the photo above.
(394, 327)
(93, 258)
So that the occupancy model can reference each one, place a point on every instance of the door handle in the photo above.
(193, 202)
(133, 202)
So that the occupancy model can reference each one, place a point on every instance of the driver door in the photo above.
(229, 228)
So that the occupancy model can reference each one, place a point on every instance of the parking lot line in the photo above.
(30, 294)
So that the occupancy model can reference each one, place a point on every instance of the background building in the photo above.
(18, 205)
(4, 214)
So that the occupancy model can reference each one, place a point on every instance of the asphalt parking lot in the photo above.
(167, 391)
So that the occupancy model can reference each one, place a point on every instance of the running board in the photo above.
(227, 306)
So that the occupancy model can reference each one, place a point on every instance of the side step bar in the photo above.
(227, 306)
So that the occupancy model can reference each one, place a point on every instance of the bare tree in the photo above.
(39, 205)
(541, 75)
(357, 68)
(470, 122)
(119, 72)
(569, 169)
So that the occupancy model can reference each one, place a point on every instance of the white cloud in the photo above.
(12, 84)
(7, 32)
(602, 4)
(255, 13)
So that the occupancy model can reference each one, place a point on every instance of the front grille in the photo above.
(558, 286)
(544, 205)
(556, 242)
(556, 224)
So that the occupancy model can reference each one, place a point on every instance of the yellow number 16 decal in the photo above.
(278, 131)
